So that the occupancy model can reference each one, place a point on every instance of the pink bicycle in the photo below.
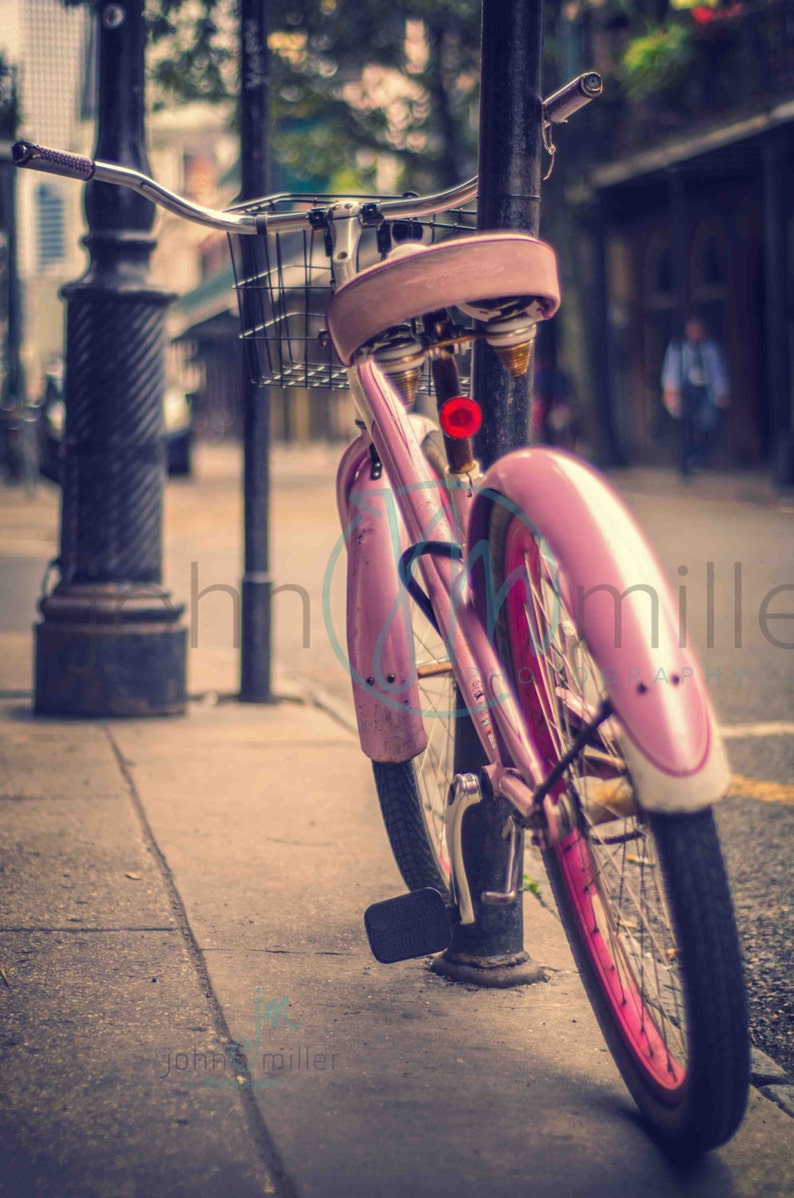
(541, 615)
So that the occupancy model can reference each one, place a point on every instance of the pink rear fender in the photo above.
(379, 636)
(617, 595)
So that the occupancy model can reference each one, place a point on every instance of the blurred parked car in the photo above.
(19, 455)
(178, 431)
(178, 427)
(51, 422)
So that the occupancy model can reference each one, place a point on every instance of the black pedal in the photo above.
(411, 925)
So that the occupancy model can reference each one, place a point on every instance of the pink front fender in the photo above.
(379, 635)
(616, 592)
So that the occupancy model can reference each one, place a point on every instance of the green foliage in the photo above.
(656, 45)
(657, 61)
(354, 83)
(197, 49)
(348, 77)
(530, 886)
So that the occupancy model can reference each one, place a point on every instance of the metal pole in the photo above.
(255, 663)
(609, 450)
(14, 381)
(679, 256)
(491, 952)
(111, 641)
(511, 146)
(15, 377)
(776, 151)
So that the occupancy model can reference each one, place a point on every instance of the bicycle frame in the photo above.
(671, 750)
(379, 644)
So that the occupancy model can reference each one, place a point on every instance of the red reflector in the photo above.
(460, 417)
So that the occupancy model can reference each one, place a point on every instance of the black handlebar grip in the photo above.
(572, 97)
(54, 162)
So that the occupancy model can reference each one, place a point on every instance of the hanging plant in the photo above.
(657, 61)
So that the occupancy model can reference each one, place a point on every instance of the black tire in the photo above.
(412, 794)
(407, 827)
(713, 1099)
(643, 898)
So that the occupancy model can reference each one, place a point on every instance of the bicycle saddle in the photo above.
(498, 269)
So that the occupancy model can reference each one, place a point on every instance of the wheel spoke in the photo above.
(617, 857)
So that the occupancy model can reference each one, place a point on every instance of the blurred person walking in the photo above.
(695, 388)
(552, 420)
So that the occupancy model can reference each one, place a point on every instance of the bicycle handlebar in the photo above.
(556, 109)
(234, 220)
(569, 99)
(54, 162)
(75, 166)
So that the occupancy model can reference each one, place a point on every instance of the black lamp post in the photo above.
(257, 589)
(490, 952)
(12, 376)
(111, 642)
(511, 149)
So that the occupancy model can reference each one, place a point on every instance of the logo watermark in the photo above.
(377, 648)
(259, 1062)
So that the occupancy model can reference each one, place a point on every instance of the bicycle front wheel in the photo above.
(643, 897)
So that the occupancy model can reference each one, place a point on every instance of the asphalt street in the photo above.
(736, 556)
(730, 562)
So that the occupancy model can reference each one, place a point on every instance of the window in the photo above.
(708, 261)
(658, 273)
(51, 225)
(709, 267)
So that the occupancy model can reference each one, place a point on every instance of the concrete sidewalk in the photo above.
(715, 486)
(171, 888)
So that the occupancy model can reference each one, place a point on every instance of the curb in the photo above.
(338, 709)
(772, 1082)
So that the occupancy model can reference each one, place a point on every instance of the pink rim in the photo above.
(625, 1000)
(574, 856)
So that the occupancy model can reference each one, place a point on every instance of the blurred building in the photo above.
(691, 206)
(205, 327)
(191, 151)
(48, 46)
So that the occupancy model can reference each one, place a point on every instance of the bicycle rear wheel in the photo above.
(413, 794)
(643, 897)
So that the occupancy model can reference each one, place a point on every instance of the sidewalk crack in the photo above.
(268, 1152)
(79, 928)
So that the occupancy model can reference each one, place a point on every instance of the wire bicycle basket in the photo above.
(285, 280)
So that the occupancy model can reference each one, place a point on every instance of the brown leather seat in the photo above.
(451, 274)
